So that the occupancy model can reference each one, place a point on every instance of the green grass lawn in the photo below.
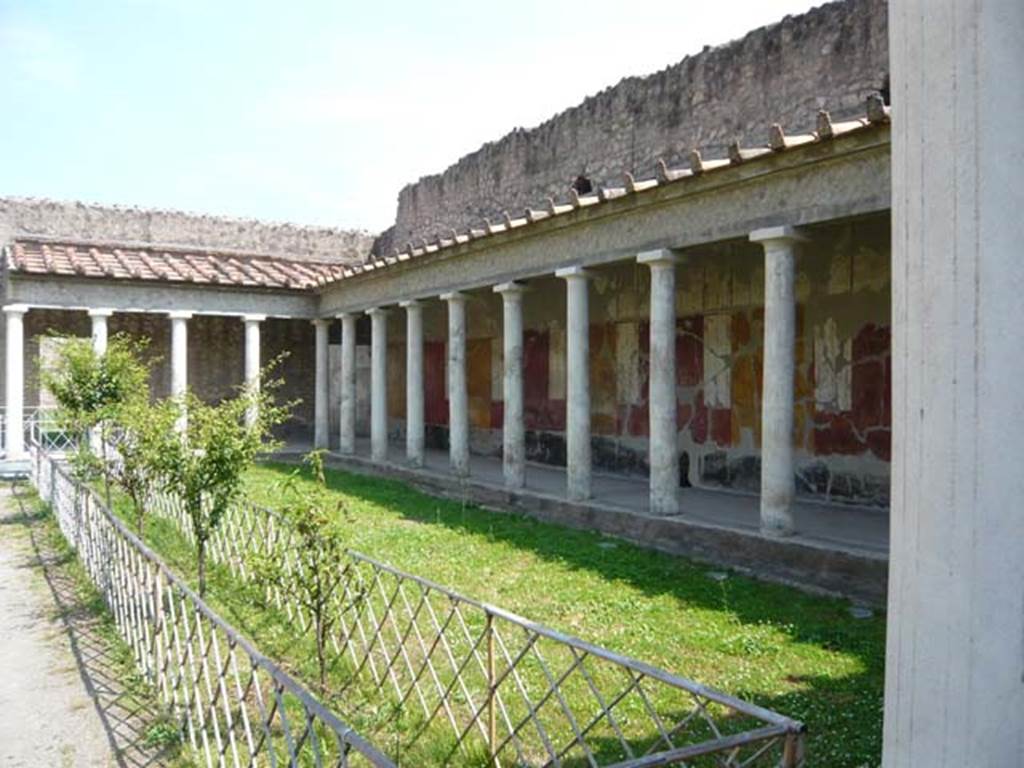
(800, 655)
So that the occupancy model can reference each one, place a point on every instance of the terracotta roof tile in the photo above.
(877, 113)
(71, 259)
(200, 266)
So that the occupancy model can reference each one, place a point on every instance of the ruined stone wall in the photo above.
(831, 58)
(83, 221)
(842, 412)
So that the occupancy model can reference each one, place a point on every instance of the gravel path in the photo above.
(61, 704)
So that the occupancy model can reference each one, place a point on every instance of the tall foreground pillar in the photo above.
(458, 395)
(347, 410)
(320, 419)
(663, 454)
(954, 692)
(577, 382)
(414, 424)
(378, 384)
(513, 429)
(14, 437)
(777, 471)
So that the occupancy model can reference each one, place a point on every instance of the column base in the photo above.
(578, 494)
(664, 506)
(514, 481)
(776, 523)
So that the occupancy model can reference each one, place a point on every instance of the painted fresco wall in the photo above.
(842, 379)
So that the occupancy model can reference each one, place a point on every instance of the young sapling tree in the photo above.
(204, 459)
(92, 390)
(310, 571)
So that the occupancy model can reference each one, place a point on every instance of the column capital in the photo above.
(781, 234)
(321, 321)
(100, 312)
(512, 288)
(15, 309)
(180, 314)
(411, 304)
(568, 273)
(377, 311)
(346, 315)
(657, 258)
(453, 296)
(253, 318)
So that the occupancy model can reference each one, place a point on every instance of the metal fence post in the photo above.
(492, 718)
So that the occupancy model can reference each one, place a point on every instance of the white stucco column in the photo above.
(458, 394)
(577, 382)
(320, 394)
(414, 429)
(179, 359)
(513, 431)
(252, 358)
(98, 318)
(99, 329)
(954, 687)
(347, 443)
(378, 384)
(777, 475)
(663, 451)
(14, 437)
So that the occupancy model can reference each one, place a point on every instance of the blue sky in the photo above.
(311, 111)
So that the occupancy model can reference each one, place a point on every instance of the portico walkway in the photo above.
(836, 548)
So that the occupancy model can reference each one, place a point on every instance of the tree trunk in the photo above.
(106, 469)
(138, 512)
(201, 555)
(320, 653)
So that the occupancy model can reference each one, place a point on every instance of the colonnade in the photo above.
(14, 319)
(777, 468)
(777, 461)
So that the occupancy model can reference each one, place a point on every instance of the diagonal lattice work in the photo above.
(471, 683)
(42, 427)
(236, 707)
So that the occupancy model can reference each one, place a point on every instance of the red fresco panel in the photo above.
(435, 402)
(721, 426)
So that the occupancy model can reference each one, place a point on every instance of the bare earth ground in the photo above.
(63, 700)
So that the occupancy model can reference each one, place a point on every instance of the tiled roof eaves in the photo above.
(38, 257)
(877, 114)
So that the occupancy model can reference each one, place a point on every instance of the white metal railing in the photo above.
(237, 707)
(506, 689)
(42, 427)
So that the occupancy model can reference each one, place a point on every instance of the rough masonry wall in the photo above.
(83, 221)
(831, 58)
(842, 415)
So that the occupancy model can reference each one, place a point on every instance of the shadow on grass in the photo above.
(104, 664)
(843, 712)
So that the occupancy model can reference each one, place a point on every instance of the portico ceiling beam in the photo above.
(126, 296)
